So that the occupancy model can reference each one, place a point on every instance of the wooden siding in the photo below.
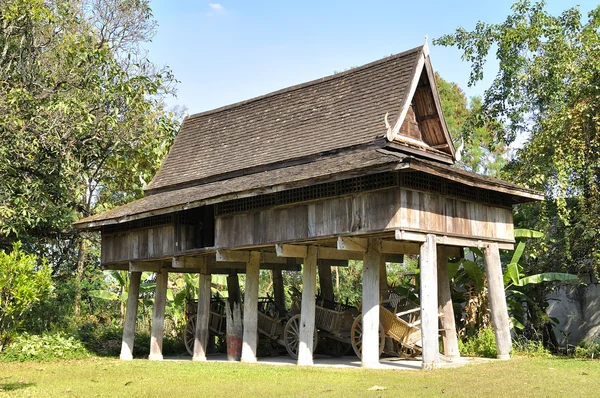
(144, 243)
(388, 209)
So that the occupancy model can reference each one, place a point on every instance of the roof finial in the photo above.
(426, 48)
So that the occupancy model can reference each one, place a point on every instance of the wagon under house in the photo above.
(354, 166)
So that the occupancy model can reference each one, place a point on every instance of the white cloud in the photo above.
(217, 8)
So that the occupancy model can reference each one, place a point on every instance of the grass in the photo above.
(98, 377)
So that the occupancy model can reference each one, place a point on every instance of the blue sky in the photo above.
(225, 51)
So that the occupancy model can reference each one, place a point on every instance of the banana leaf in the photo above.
(527, 233)
(104, 295)
(472, 269)
(546, 277)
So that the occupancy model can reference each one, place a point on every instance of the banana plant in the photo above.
(469, 284)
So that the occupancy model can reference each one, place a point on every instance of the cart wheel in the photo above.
(189, 335)
(291, 336)
(335, 348)
(356, 336)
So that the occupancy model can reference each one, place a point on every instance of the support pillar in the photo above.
(130, 316)
(307, 311)
(447, 322)
(278, 292)
(325, 280)
(383, 283)
(497, 299)
(233, 289)
(429, 303)
(250, 335)
(373, 261)
(158, 318)
(202, 317)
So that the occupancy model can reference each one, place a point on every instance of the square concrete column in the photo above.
(278, 290)
(250, 334)
(373, 262)
(158, 318)
(131, 313)
(447, 322)
(202, 317)
(497, 299)
(308, 307)
(429, 303)
(325, 280)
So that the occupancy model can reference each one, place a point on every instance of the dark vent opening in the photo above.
(150, 222)
(414, 180)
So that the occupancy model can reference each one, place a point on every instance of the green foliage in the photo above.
(482, 344)
(47, 347)
(547, 92)
(482, 152)
(23, 283)
(533, 347)
(589, 348)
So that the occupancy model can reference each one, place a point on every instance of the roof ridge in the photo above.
(307, 84)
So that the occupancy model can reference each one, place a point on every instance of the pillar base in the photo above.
(248, 360)
(126, 357)
(504, 357)
(428, 366)
(305, 363)
(370, 365)
(155, 357)
(199, 359)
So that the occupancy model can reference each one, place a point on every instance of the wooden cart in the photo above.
(334, 322)
(216, 322)
(280, 326)
(399, 329)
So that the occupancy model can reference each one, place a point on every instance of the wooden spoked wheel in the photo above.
(189, 335)
(335, 348)
(291, 336)
(356, 334)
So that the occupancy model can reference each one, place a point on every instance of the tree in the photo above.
(23, 283)
(482, 153)
(82, 122)
(547, 90)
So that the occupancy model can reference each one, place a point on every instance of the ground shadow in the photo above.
(14, 386)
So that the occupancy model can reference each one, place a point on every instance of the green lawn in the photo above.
(520, 377)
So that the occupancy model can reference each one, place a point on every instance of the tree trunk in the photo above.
(81, 256)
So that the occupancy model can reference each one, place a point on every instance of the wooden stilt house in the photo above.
(357, 165)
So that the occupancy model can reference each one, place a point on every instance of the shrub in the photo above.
(47, 347)
(530, 347)
(23, 283)
(589, 348)
(482, 344)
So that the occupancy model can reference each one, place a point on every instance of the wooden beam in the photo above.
(297, 251)
(410, 236)
(158, 318)
(234, 256)
(131, 316)
(429, 303)
(250, 320)
(466, 242)
(394, 247)
(447, 322)
(372, 265)
(331, 253)
(497, 298)
(352, 244)
(308, 308)
(153, 266)
(189, 262)
(430, 117)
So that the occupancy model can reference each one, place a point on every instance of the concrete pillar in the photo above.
(429, 303)
(233, 289)
(497, 299)
(250, 335)
(325, 280)
(307, 311)
(278, 291)
(372, 264)
(130, 316)
(447, 323)
(202, 317)
(158, 318)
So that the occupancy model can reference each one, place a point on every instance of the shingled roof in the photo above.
(343, 110)
(326, 129)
